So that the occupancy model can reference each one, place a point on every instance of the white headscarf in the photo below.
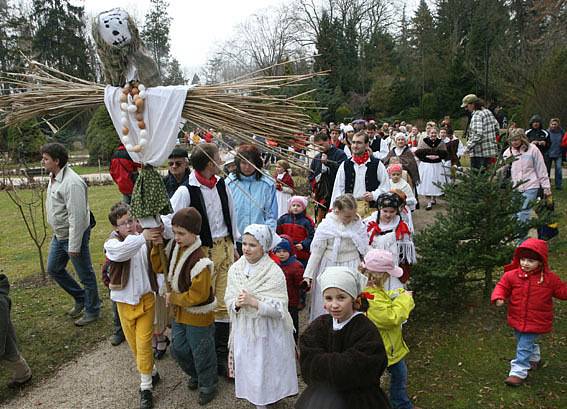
(265, 236)
(352, 282)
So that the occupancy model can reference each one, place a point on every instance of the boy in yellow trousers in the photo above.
(132, 287)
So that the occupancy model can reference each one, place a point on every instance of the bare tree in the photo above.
(31, 206)
(264, 40)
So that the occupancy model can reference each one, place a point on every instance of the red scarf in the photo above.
(210, 183)
(374, 230)
(359, 160)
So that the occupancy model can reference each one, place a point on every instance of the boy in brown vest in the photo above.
(189, 291)
(132, 287)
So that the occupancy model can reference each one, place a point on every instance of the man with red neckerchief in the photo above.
(362, 175)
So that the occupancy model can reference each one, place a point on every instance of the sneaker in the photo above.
(429, 206)
(116, 339)
(205, 398)
(86, 320)
(76, 311)
(146, 399)
(13, 384)
(192, 384)
(155, 379)
(513, 381)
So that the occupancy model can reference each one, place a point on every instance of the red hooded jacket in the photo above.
(530, 296)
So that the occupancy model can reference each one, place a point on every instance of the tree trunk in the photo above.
(41, 263)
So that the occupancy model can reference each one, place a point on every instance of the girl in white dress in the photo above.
(387, 231)
(340, 240)
(261, 337)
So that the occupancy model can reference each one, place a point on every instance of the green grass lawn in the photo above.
(457, 360)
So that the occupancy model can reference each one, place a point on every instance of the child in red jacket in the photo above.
(529, 286)
(293, 271)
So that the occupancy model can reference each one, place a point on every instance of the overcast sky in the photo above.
(197, 25)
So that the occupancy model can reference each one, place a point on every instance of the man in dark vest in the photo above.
(323, 171)
(378, 145)
(362, 175)
(208, 193)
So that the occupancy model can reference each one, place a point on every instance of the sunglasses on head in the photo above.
(175, 162)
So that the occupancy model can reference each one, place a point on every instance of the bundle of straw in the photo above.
(250, 105)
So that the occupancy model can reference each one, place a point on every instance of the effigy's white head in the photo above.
(113, 27)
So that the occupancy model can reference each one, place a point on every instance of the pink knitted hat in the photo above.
(381, 261)
(300, 200)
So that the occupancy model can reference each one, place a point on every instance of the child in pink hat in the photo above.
(388, 310)
(298, 226)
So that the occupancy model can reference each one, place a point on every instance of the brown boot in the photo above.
(513, 381)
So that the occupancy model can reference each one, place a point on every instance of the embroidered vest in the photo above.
(198, 202)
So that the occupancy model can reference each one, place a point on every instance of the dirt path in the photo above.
(107, 378)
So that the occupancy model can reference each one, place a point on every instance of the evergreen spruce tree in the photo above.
(102, 138)
(476, 236)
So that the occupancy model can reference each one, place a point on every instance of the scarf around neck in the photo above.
(359, 160)
(210, 183)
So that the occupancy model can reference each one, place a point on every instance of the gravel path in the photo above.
(107, 377)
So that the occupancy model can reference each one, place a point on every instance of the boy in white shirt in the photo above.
(132, 286)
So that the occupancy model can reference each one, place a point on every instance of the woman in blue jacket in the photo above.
(254, 193)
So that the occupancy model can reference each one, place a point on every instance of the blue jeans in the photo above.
(398, 386)
(558, 171)
(526, 351)
(529, 196)
(56, 268)
(194, 350)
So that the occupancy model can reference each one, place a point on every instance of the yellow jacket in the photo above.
(388, 315)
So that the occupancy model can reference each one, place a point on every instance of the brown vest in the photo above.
(119, 272)
(184, 280)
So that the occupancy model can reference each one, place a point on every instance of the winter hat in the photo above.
(300, 200)
(189, 219)
(394, 168)
(351, 282)
(348, 128)
(283, 245)
(381, 261)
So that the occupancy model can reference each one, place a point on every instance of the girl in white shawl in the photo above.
(340, 240)
(262, 330)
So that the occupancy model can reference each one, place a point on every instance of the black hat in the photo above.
(388, 199)
(178, 153)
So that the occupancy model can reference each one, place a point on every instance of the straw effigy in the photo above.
(250, 105)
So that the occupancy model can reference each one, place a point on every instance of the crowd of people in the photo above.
(228, 271)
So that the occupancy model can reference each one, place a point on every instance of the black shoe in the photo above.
(155, 379)
(159, 353)
(86, 320)
(205, 398)
(192, 384)
(429, 206)
(146, 399)
(116, 339)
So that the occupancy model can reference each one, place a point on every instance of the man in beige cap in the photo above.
(481, 133)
